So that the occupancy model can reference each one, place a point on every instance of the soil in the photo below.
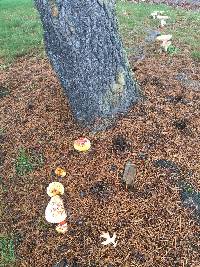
(160, 135)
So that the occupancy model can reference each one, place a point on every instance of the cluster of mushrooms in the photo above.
(165, 39)
(55, 211)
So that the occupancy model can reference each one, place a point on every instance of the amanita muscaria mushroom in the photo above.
(55, 211)
(82, 144)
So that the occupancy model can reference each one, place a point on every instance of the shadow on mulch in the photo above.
(153, 227)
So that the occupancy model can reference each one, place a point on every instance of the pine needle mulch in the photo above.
(153, 227)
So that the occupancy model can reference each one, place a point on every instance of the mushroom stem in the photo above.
(162, 23)
(62, 227)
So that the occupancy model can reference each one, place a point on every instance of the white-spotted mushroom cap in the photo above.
(55, 212)
(82, 144)
(163, 37)
(55, 188)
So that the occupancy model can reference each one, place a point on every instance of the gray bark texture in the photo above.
(83, 45)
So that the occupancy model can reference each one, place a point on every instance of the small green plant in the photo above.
(172, 49)
(23, 163)
(7, 251)
(28, 160)
(196, 55)
(189, 189)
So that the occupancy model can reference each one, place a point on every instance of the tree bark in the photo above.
(83, 45)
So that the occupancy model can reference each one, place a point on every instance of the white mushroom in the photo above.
(156, 13)
(165, 40)
(166, 44)
(164, 37)
(162, 17)
(55, 212)
(163, 22)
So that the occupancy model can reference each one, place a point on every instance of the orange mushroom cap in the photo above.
(60, 172)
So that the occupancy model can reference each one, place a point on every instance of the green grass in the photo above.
(21, 30)
(196, 55)
(7, 252)
(27, 161)
(135, 20)
(23, 163)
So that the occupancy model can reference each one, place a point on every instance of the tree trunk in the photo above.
(85, 50)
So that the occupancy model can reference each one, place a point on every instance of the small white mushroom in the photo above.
(166, 44)
(162, 20)
(165, 39)
(162, 17)
(156, 13)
